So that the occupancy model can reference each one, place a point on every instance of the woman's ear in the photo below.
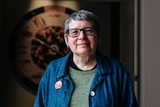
(66, 39)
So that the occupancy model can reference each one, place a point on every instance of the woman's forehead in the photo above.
(80, 23)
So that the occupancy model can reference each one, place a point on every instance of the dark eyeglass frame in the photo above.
(88, 31)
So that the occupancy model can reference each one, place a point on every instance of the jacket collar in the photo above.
(103, 63)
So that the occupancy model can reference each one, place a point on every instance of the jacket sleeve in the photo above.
(41, 96)
(128, 95)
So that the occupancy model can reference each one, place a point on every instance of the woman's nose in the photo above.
(82, 34)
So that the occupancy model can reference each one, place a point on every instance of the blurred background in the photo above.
(130, 33)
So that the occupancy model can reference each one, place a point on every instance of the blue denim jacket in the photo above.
(111, 86)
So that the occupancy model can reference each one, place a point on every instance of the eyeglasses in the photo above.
(89, 31)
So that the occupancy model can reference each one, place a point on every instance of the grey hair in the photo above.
(82, 15)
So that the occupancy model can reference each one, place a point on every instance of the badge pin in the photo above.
(58, 84)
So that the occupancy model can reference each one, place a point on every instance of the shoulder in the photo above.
(111, 65)
(110, 61)
(60, 61)
(57, 65)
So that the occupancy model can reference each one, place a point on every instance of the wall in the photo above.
(127, 23)
(149, 53)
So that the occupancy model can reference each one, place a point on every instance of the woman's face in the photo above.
(86, 43)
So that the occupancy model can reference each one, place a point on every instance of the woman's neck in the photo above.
(85, 62)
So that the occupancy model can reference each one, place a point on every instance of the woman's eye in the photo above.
(75, 31)
(88, 30)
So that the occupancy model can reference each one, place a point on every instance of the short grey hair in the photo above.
(83, 15)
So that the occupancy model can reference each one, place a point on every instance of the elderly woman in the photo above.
(85, 77)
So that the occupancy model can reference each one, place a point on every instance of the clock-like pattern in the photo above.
(36, 40)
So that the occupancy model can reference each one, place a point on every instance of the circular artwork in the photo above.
(36, 40)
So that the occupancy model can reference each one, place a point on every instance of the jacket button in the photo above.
(92, 93)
